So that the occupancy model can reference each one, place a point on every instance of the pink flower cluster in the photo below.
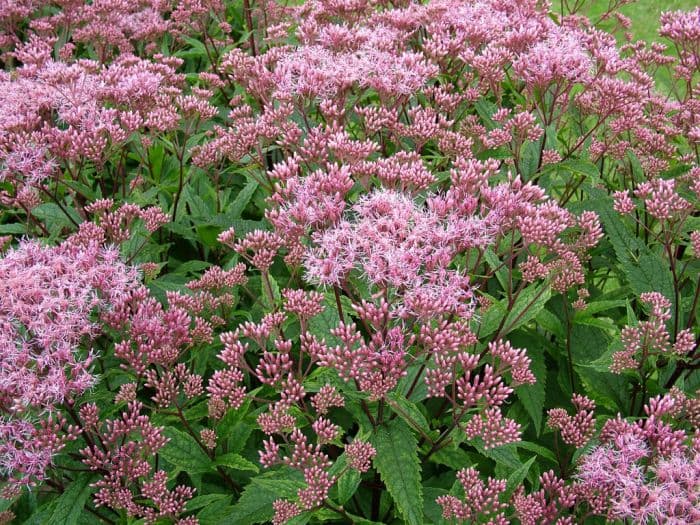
(576, 430)
(651, 337)
(396, 245)
(393, 231)
(122, 452)
(49, 300)
(481, 500)
(644, 471)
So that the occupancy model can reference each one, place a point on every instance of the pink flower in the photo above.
(575, 430)
(360, 455)
(559, 59)
(481, 500)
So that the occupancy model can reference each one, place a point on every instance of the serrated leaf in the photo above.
(208, 234)
(192, 266)
(606, 388)
(506, 455)
(485, 109)
(322, 324)
(604, 323)
(409, 412)
(527, 306)
(495, 263)
(399, 468)
(255, 503)
(55, 218)
(238, 437)
(197, 49)
(357, 520)
(420, 388)
(588, 343)
(347, 485)
(242, 199)
(631, 316)
(211, 514)
(644, 269)
(184, 452)
(199, 209)
(68, 507)
(236, 462)
(517, 477)
(599, 306)
(529, 158)
(242, 226)
(551, 322)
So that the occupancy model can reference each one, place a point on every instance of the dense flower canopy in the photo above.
(348, 261)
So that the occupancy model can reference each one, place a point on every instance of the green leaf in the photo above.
(549, 321)
(603, 323)
(321, 325)
(13, 228)
(517, 477)
(265, 293)
(532, 396)
(583, 168)
(238, 437)
(599, 306)
(451, 456)
(485, 109)
(82, 189)
(399, 468)
(199, 502)
(420, 388)
(526, 307)
(67, 509)
(651, 274)
(55, 218)
(588, 343)
(357, 520)
(505, 456)
(233, 417)
(409, 412)
(184, 452)
(255, 503)
(236, 462)
(645, 270)
(211, 514)
(208, 235)
(192, 266)
(494, 262)
(347, 484)
(242, 199)
(197, 49)
(431, 509)
(543, 452)
(242, 226)
(606, 388)
(529, 158)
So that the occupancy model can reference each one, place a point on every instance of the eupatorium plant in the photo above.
(51, 300)
(347, 262)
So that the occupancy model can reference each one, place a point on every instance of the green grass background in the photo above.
(644, 14)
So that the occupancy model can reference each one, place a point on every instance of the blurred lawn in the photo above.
(645, 24)
(644, 14)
